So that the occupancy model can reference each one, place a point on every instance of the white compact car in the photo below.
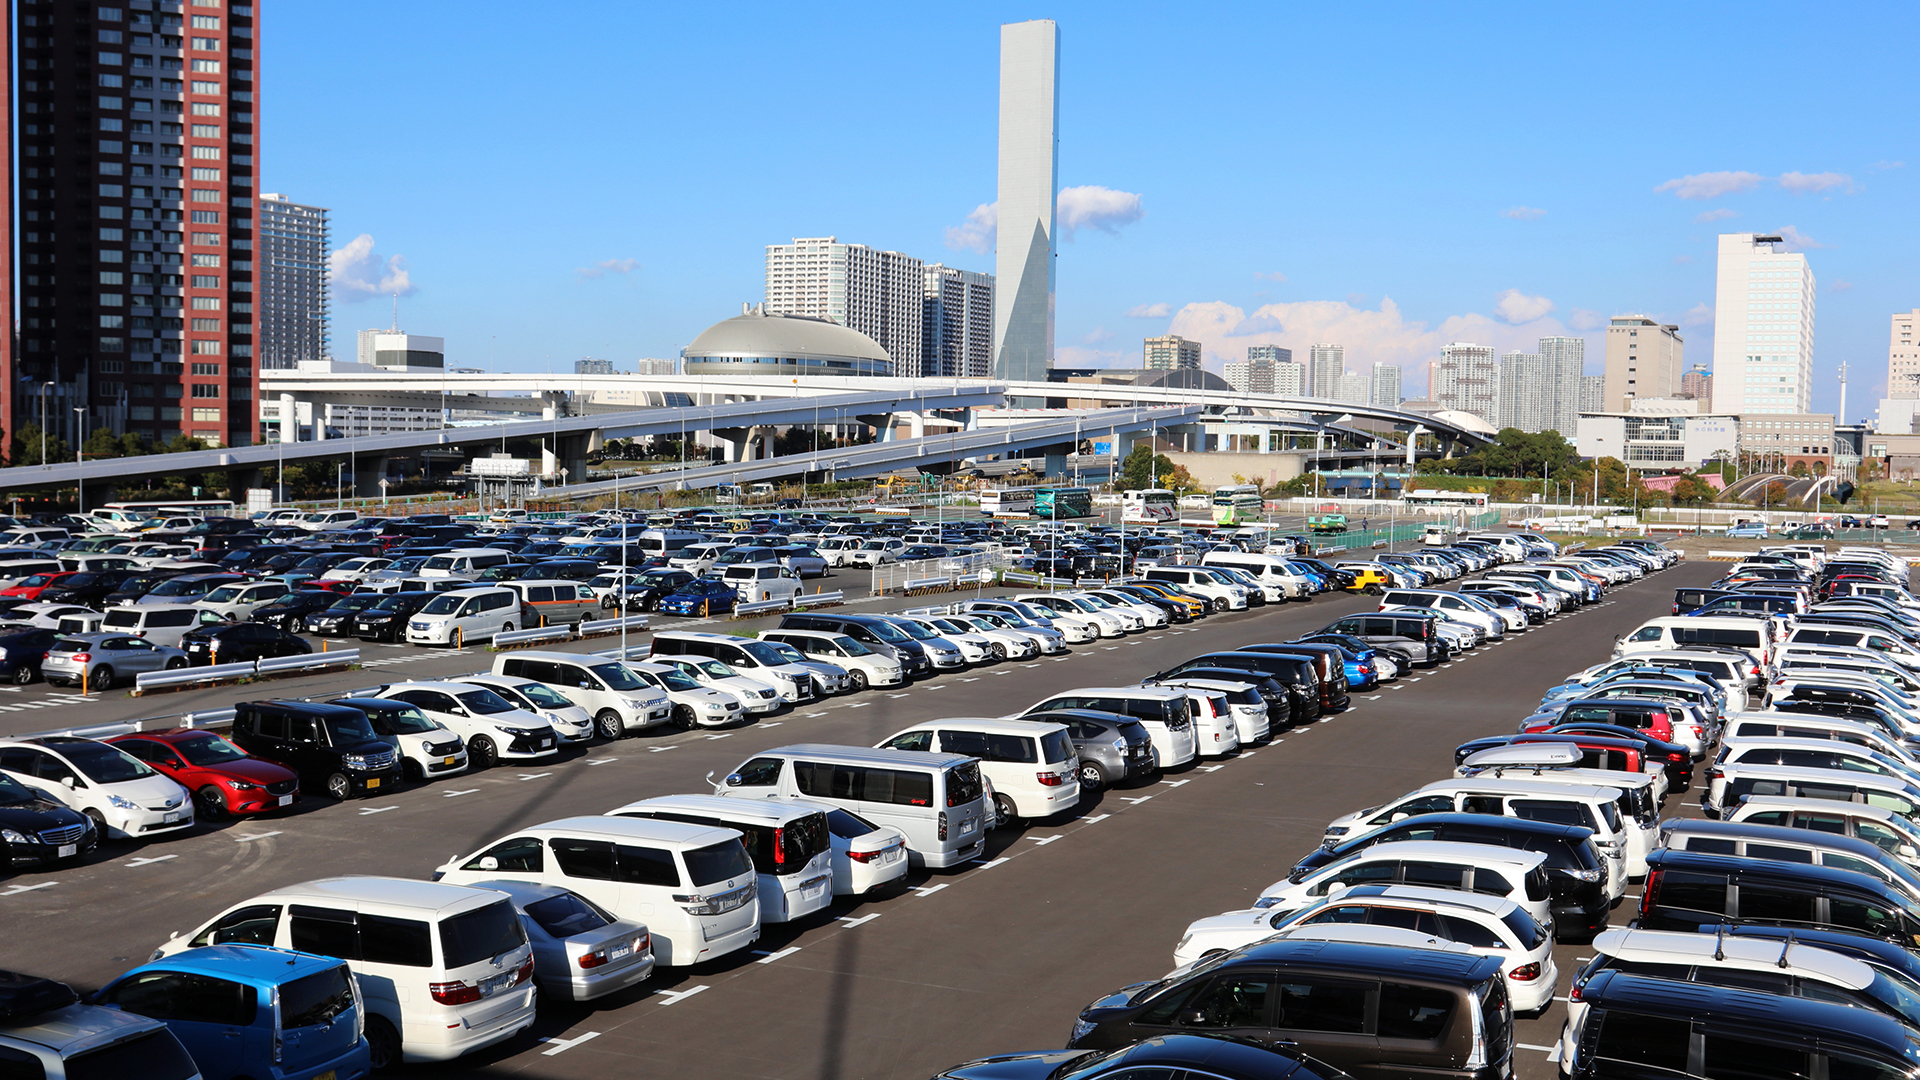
(694, 703)
(756, 695)
(126, 799)
(1480, 869)
(493, 729)
(570, 721)
(866, 857)
(864, 667)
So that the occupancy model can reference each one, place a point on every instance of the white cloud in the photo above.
(1804, 183)
(1093, 207)
(1700, 314)
(1682, 260)
(1711, 185)
(1273, 275)
(1149, 311)
(1097, 336)
(1523, 213)
(358, 273)
(1517, 307)
(1586, 319)
(1883, 166)
(1797, 240)
(1839, 286)
(976, 234)
(607, 266)
(1081, 356)
(1715, 215)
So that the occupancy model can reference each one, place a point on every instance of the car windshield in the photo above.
(224, 593)
(209, 751)
(541, 695)
(851, 647)
(348, 605)
(179, 587)
(567, 914)
(841, 823)
(674, 679)
(444, 604)
(349, 730)
(785, 653)
(484, 702)
(913, 630)
(727, 859)
(105, 764)
(13, 792)
(711, 668)
(407, 720)
(618, 676)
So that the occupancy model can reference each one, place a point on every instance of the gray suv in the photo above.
(1111, 747)
(1416, 635)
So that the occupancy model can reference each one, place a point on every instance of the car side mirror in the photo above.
(1191, 1018)
(489, 863)
(735, 780)
(67, 782)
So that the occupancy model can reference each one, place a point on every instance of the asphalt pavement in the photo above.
(993, 957)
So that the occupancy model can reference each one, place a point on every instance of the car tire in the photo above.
(1219, 605)
(856, 680)
(1092, 776)
(481, 753)
(506, 628)
(383, 1044)
(1003, 808)
(176, 663)
(22, 675)
(209, 803)
(607, 722)
(999, 650)
(101, 679)
(99, 823)
(291, 624)
(338, 787)
(683, 716)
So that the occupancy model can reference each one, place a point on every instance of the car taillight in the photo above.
(1048, 779)
(1578, 992)
(875, 856)
(81, 657)
(1525, 973)
(942, 835)
(454, 993)
(592, 959)
(1653, 890)
(1678, 757)
(780, 847)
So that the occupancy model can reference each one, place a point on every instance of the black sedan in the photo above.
(240, 643)
(386, 619)
(645, 592)
(89, 588)
(1222, 1056)
(290, 611)
(336, 620)
(35, 830)
(21, 652)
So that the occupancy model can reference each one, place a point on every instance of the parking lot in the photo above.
(994, 957)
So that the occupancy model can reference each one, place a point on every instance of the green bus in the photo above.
(1061, 503)
(1327, 523)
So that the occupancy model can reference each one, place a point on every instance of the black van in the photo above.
(868, 630)
(1416, 635)
(332, 747)
(1329, 662)
(1300, 674)
(1695, 597)
(1645, 1027)
(1690, 891)
(1370, 1010)
(1576, 878)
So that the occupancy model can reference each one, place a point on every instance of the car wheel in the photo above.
(683, 715)
(857, 680)
(101, 679)
(99, 823)
(339, 788)
(608, 723)
(291, 624)
(1219, 605)
(176, 663)
(1003, 809)
(999, 650)
(383, 1044)
(481, 753)
(506, 628)
(22, 675)
(1092, 776)
(209, 804)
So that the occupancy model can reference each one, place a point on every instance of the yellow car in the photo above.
(1196, 606)
(1368, 580)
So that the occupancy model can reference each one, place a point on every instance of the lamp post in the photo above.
(43, 423)
(79, 481)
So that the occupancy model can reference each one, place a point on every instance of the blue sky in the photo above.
(601, 179)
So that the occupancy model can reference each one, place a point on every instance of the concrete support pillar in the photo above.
(881, 423)
(289, 420)
(552, 404)
(734, 442)
(916, 425)
(573, 457)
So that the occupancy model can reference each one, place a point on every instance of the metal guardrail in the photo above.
(154, 680)
(312, 661)
(926, 583)
(1020, 577)
(533, 636)
(612, 626)
(837, 596)
(759, 606)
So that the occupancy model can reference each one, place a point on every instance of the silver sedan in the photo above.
(580, 952)
(102, 661)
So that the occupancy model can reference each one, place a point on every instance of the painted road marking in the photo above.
(376, 810)
(534, 775)
(602, 761)
(149, 862)
(457, 794)
(1043, 841)
(16, 890)
(1098, 817)
(675, 995)
(255, 836)
(770, 957)
(852, 922)
(556, 1046)
(929, 890)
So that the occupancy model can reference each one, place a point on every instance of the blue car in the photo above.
(701, 596)
(249, 1010)
(1753, 530)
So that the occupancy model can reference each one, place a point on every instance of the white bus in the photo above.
(1153, 506)
(127, 516)
(1237, 504)
(1014, 502)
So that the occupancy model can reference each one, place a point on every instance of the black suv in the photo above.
(89, 587)
(386, 619)
(240, 643)
(332, 747)
(290, 611)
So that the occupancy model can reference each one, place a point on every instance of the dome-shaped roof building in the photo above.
(755, 342)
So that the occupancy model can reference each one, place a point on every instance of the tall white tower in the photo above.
(1762, 327)
(1029, 183)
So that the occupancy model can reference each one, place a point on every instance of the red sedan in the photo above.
(32, 586)
(224, 779)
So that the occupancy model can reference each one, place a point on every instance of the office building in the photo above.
(956, 333)
(397, 350)
(1698, 385)
(134, 134)
(881, 294)
(1325, 364)
(294, 305)
(1029, 180)
(1269, 354)
(1386, 385)
(1593, 394)
(1781, 441)
(1171, 353)
(1659, 435)
(591, 366)
(1903, 357)
(1466, 379)
(1762, 328)
(1354, 388)
(1643, 360)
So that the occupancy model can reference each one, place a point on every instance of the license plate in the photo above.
(286, 800)
(546, 742)
(620, 952)
(328, 1075)
(447, 761)
(372, 783)
(68, 851)
(814, 893)
(967, 826)
(497, 983)
(170, 818)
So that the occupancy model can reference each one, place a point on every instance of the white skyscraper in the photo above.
(1289, 379)
(1762, 327)
(1386, 385)
(956, 336)
(1029, 182)
(1465, 380)
(1325, 364)
(879, 293)
(1566, 359)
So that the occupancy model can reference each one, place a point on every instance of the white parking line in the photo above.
(557, 1046)
(255, 836)
(16, 890)
(457, 794)
(150, 861)
(376, 810)
(929, 890)
(534, 776)
(657, 749)
(851, 922)
(991, 863)
(1043, 841)
(770, 957)
(602, 761)
(675, 995)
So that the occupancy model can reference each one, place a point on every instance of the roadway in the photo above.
(995, 957)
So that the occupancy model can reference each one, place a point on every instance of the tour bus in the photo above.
(1153, 506)
(1238, 504)
(998, 502)
(1061, 503)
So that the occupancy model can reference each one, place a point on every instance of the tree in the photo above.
(1144, 469)
(1179, 480)
(1799, 469)
(1688, 491)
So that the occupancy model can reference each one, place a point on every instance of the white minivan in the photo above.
(1164, 711)
(443, 970)
(619, 701)
(789, 844)
(1271, 571)
(937, 800)
(465, 562)
(693, 886)
(463, 615)
(1031, 764)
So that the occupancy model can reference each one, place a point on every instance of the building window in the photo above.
(206, 390)
(206, 174)
(206, 348)
(205, 414)
(206, 108)
(206, 217)
(206, 303)
(206, 369)
(206, 260)
(205, 281)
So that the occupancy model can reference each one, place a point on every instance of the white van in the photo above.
(1200, 582)
(1271, 571)
(619, 701)
(746, 656)
(666, 542)
(1811, 632)
(1251, 720)
(760, 581)
(330, 520)
(698, 558)
(463, 615)
(937, 800)
(555, 603)
(1669, 632)
(1164, 711)
(788, 842)
(465, 562)
(1031, 764)
(443, 970)
(693, 886)
(1215, 734)
(14, 571)
(162, 624)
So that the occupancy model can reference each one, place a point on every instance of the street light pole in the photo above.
(79, 481)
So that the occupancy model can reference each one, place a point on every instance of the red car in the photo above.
(224, 779)
(32, 586)
(327, 585)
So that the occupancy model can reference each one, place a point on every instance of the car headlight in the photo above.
(1265, 902)
(1586, 875)
(356, 761)
(517, 732)
(1081, 1028)
(242, 785)
(715, 706)
(120, 803)
(12, 836)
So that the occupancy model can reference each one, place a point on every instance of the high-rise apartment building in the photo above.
(1526, 393)
(956, 333)
(1698, 385)
(1762, 327)
(656, 366)
(1269, 354)
(1171, 353)
(879, 293)
(1029, 180)
(293, 283)
(1325, 364)
(136, 137)
(1566, 360)
(1386, 385)
(1643, 360)
(1289, 379)
(1354, 388)
(592, 366)
(1466, 380)
(1593, 394)
(1903, 357)
(1249, 376)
